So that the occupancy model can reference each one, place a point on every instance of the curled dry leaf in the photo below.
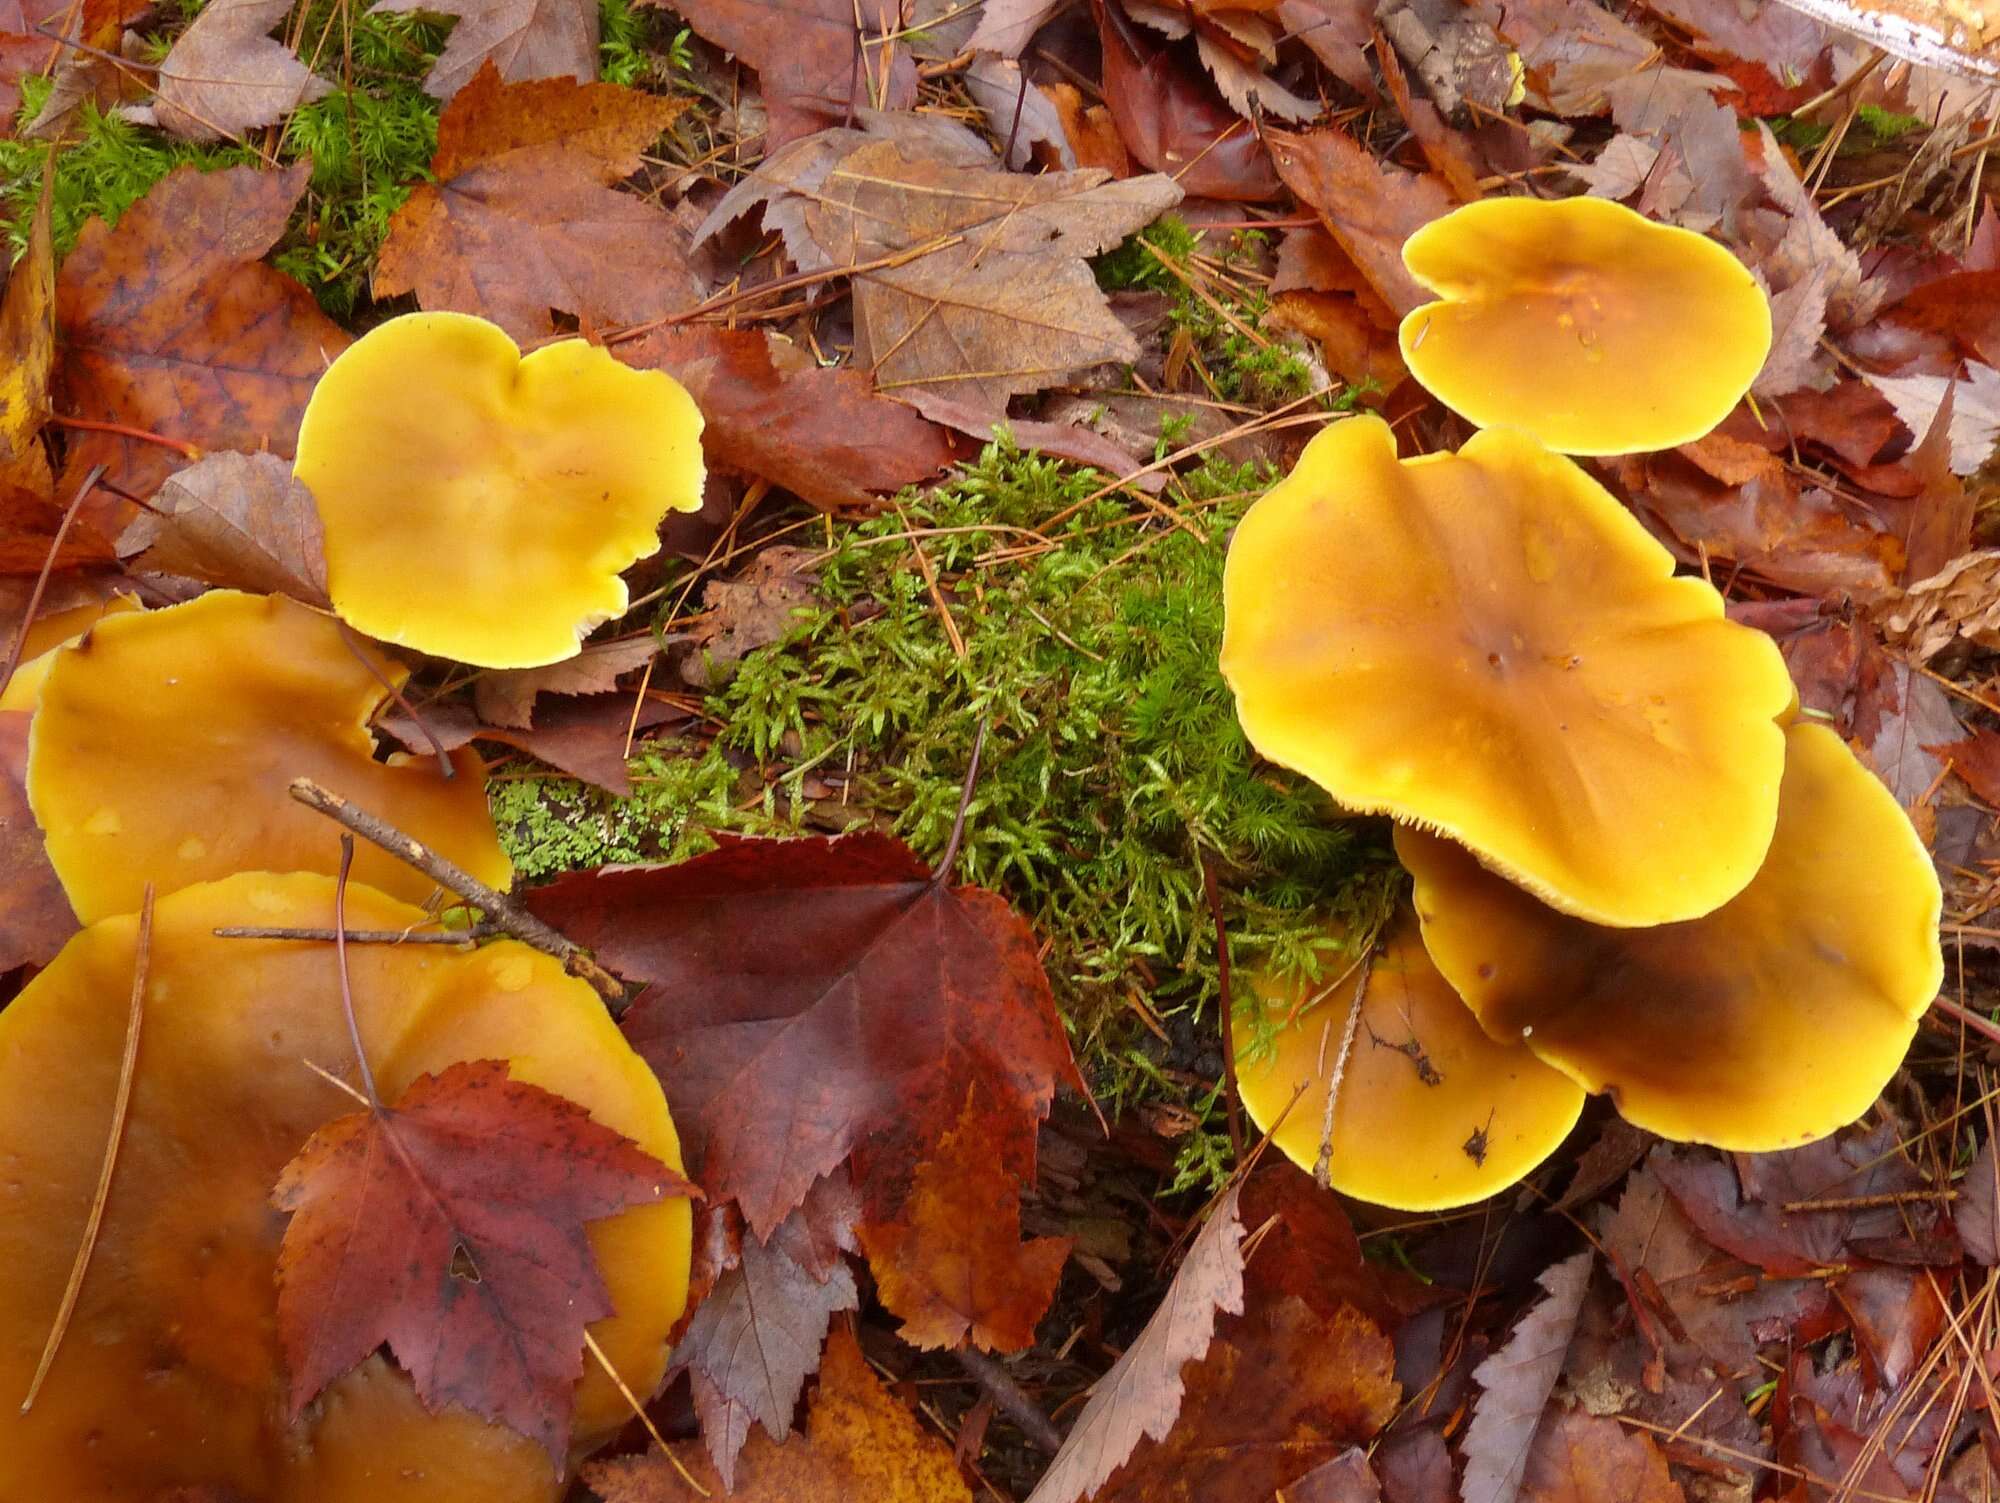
(1142, 1394)
(860, 1446)
(237, 520)
(225, 75)
(524, 39)
(451, 1228)
(892, 996)
(35, 916)
(172, 323)
(521, 216)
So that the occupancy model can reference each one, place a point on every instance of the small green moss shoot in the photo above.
(1113, 761)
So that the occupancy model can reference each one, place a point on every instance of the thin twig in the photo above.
(142, 956)
(1213, 892)
(1011, 1400)
(941, 873)
(639, 1411)
(325, 935)
(35, 595)
(186, 450)
(1979, 1025)
(1323, 1165)
(516, 921)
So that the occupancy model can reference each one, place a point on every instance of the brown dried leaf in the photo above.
(236, 520)
(1142, 1394)
(804, 52)
(172, 323)
(1515, 1384)
(1369, 207)
(860, 1446)
(225, 75)
(506, 697)
(1579, 1458)
(750, 612)
(524, 39)
(28, 353)
(35, 915)
(1961, 600)
(522, 216)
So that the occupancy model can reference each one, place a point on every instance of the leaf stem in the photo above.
(346, 982)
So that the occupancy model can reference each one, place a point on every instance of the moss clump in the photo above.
(1113, 759)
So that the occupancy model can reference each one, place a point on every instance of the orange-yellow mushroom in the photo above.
(170, 1374)
(1771, 1022)
(1582, 323)
(480, 504)
(1488, 645)
(1431, 1112)
(45, 638)
(165, 741)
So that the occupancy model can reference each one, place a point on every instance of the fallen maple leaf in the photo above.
(818, 60)
(236, 520)
(225, 75)
(827, 436)
(1580, 1458)
(524, 39)
(451, 1227)
(860, 1446)
(953, 1265)
(1975, 410)
(744, 614)
(1142, 1394)
(521, 215)
(756, 1337)
(1369, 207)
(1976, 760)
(1515, 1384)
(890, 998)
(171, 323)
(35, 915)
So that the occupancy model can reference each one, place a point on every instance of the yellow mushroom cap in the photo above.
(45, 638)
(480, 504)
(1488, 645)
(1431, 1113)
(1582, 323)
(1813, 977)
(165, 741)
(170, 1374)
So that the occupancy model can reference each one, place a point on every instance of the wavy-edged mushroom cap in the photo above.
(171, 1375)
(1432, 1113)
(165, 742)
(1582, 323)
(1815, 975)
(1488, 645)
(49, 635)
(480, 504)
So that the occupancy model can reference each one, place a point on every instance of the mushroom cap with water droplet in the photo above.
(1486, 644)
(1768, 1023)
(165, 741)
(1431, 1112)
(170, 1374)
(480, 504)
(1582, 323)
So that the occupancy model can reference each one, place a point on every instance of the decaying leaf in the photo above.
(804, 52)
(506, 696)
(521, 216)
(1142, 1394)
(451, 1228)
(1515, 1384)
(225, 75)
(1369, 207)
(524, 39)
(750, 612)
(28, 353)
(891, 998)
(953, 1267)
(35, 916)
(827, 436)
(756, 1337)
(171, 323)
(1579, 1458)
(236, 520)
(860, 1446)
(1961, 600)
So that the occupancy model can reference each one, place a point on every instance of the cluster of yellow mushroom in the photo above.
(475, 504)
(1639, 869)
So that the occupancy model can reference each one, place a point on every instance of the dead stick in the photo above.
(518, 922)
(142, 955)
(1323, 1165)
(1007, 1395)
(358, 936)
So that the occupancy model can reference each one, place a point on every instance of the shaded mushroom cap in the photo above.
(1582, 323)
(481, 505)
(170, 1374)
(1814, 976)
(1432, 1113)
(1488, 645)
(165, 741)
(49, 635)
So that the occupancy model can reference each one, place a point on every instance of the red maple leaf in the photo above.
(451, 1227)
